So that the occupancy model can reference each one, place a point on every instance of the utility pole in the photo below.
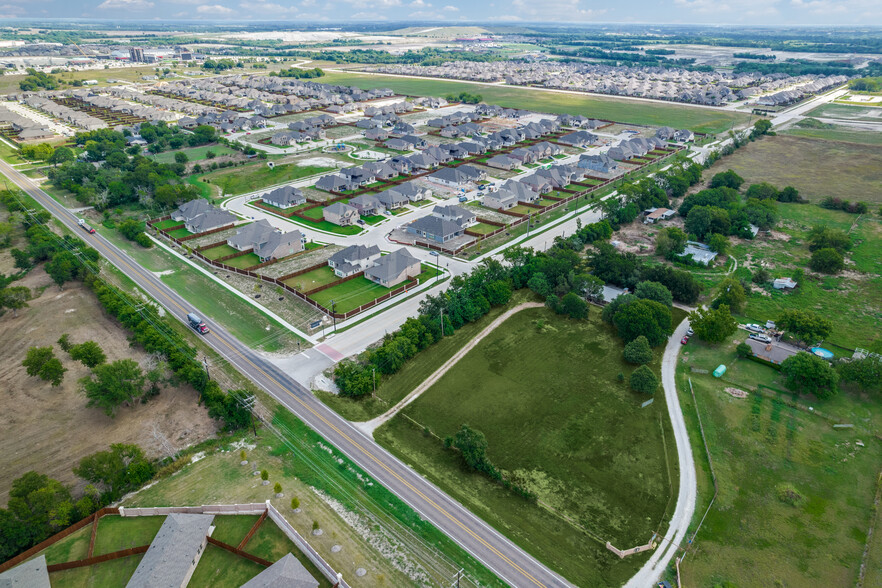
(205, 363)
(374, 375)
(248, 404)
(457, 578)
(334, 314)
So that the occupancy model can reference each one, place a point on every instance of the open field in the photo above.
(544, 390)
(847, 112)
(194, 154)
(233, 181)
(750, 537)
(816, 168)
(50, 429)
(838, 133)
(618, 109)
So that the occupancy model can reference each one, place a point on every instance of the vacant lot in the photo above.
(545, 392)
(839, 133)
(194, 154)
(50, 429)
(233, 181)
(750, 536)
(847, 112)
(618, 109)
(814, 167)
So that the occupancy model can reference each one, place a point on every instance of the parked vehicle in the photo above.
(197, 324)
(359, 221)
(463, 199)
(754, 328)
(760, 337)
(684, 340)
(689, 332)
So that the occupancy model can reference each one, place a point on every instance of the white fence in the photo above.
(247, 509)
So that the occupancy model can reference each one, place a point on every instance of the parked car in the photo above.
(361, 222)
(463, 199)
(760, 337)
(754, 328)
(689, 332)
(684, 340)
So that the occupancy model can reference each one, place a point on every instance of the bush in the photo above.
(788, 494)
(643, 380)
(277, 488)
(295, 503)
(827, 261)
(638, 351)
(743, 350)
(264, 475)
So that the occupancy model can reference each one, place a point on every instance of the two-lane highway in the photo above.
(495, 551)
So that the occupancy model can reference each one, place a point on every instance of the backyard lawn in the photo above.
(178, 233)
(544, 390)
(313, 279)
(116, 533)
(619, 109)
(221, 569)
(167, 223)
(110, 573)
(351, 294)
(482, 228)
(243, 261)
(219, 251)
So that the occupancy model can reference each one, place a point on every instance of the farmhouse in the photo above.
(174, 553)
(288, 572)
(652, 215)
(390, 270)
(284, 197)
(353, 259)
(340, 214)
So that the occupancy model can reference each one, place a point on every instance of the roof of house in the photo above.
(211, 219)
(285, 195)
(251, 234)
(785, 283)
(452, 211)
(288, 572)
(275, 240)
(30, 574)
(390, 266)
(341, 209)
(193, 208)
(365, 200)
(354, 252)
(435, 225)
(503, 160)
(171, 553)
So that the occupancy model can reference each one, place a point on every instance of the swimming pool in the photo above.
(821, 352)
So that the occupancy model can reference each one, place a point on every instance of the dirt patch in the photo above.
(735, 392)
(50, 429)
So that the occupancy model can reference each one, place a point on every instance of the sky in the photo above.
(747, 12)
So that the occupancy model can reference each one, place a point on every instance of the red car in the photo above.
(684, 340)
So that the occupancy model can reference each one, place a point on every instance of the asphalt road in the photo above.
(495, 551)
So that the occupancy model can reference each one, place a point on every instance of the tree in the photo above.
(731, 293)
(805, 325)
(113, 384)
(538, 283)
(15, 298)
(53, 372)
(718, 243)
(644, 317)
(574, 306)
(63, 267)
(619, 302)
(89, 353)
(41, 361)
(809, 374)
(762, 191)
(295, 503)
(264, 475)
(638, 351)
(743, 350)
(62, 155)
(670, 241)
(713, 325)
(702, 220)
(827, 261)
(643, 380)
(866, 373)
(181, 157)
(122, 468)
(472, 445)
(727, 179)
(650, 290)
(277, 488)
(788, 194)
(761, 276)
(824, 237)
(761, 127)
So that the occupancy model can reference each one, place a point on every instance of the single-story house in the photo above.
(284, 197)
(287, 572)
(335, 183)
(501, 199)
(413, 191)
(457, 214)
(174, 552)
(578, 139)
(266, 241)
(457, 177)
(209, 220)
(600, 163)
(524, 193)
(390, 270)
(340, 214)
(774, 352)
(376, 134)
(392, 199)
(434, 228)
(359, 176)
(191, 209)
(700, 253)
(397, 145)
(503, 162)
(353, 259)
(653, 215)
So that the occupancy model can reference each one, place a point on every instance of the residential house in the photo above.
(503, 162)
(284, 197)
(523, 192)
(366, 204)
(287, 572)
(192, 209)
(415, 141)
(353, 259)
(335, 183)
(390, 270)
(392, 199)
(412, 191)
(376, 134)
(653, 215)
(537, 183)
(400, 164)
(423, 161)
(209, 220)
(33, 573)
(473, 147)
(381, 170)
(397, 144)
(501, 199)
(438, 154)
(456, 214)
(600, 163)
(340, 214)
(578, 139)
(174, 552)
(266, 241)
(358, 175)
(700, 253)
(523, 155)
(434, 228)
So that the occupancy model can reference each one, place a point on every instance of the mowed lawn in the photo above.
(545, 391)
(241, 180)
(750, 537)
(815, 167)
(194, 154)
(167, 223)
(617, 109)
(313, 279)
(219, 251)
(350, 295)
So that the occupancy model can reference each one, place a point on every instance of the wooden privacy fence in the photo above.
(90, 561)
(56, 537)
(258, 560)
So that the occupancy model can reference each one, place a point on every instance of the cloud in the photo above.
(419, 4)
(559, 11)
(216, 9)
(125, 5)
(265, 9)
(450, 8)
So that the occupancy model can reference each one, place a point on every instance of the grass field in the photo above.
(219, 251)
(194, 154)
(243, 261)
(178, 233)
(750, 537)
(167, 223)
(544, 390)
(221, 569)
(482, 228)
(816, 168)
(313, 279)
(114, 573)
(116, 533)
(350, 295)
(838, 133)
(73, 547)
(618, 109)
(233, 181)
(847, 112)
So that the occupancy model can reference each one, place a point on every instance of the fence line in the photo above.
(90, 561)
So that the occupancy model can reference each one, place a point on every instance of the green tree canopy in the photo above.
(809, 374)
(713, 325)
(670, 241)
(643, 380)
(727, 179)
(731, 293)
(805, 325)
(119, 470)
(113, 384)
(89, 353)
(472, 445)
(644, 317)
(638, 351)
(650, 290)
(15, 298)
(827, 261)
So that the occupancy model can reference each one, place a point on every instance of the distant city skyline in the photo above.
(713, 12)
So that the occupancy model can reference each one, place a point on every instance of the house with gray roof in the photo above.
(288, 572)
(366, 204)
(434, 228)
(266, 241)
(284, 197)
(602, 163)
(524, 193)
(174, 553)
(503, 162)
(353, 259)
(423, 161)
(209, 220)
(397, 145)
(578, 139)
(413, 191)
(191, 209)
(392, 199)
(376, 134)
(335, 183)
(456, 177)
(462, 216)
(340, 214)
(699, 252)
(390, 270)
(501, 199)
(30, 574)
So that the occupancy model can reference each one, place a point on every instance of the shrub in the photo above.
(827, 261)
(277, 488)
(295, 503)
(743, 350)
(643, 380)
(788, 494)
(264, 475)
(638, 351)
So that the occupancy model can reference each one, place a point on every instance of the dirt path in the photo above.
(370, 426)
